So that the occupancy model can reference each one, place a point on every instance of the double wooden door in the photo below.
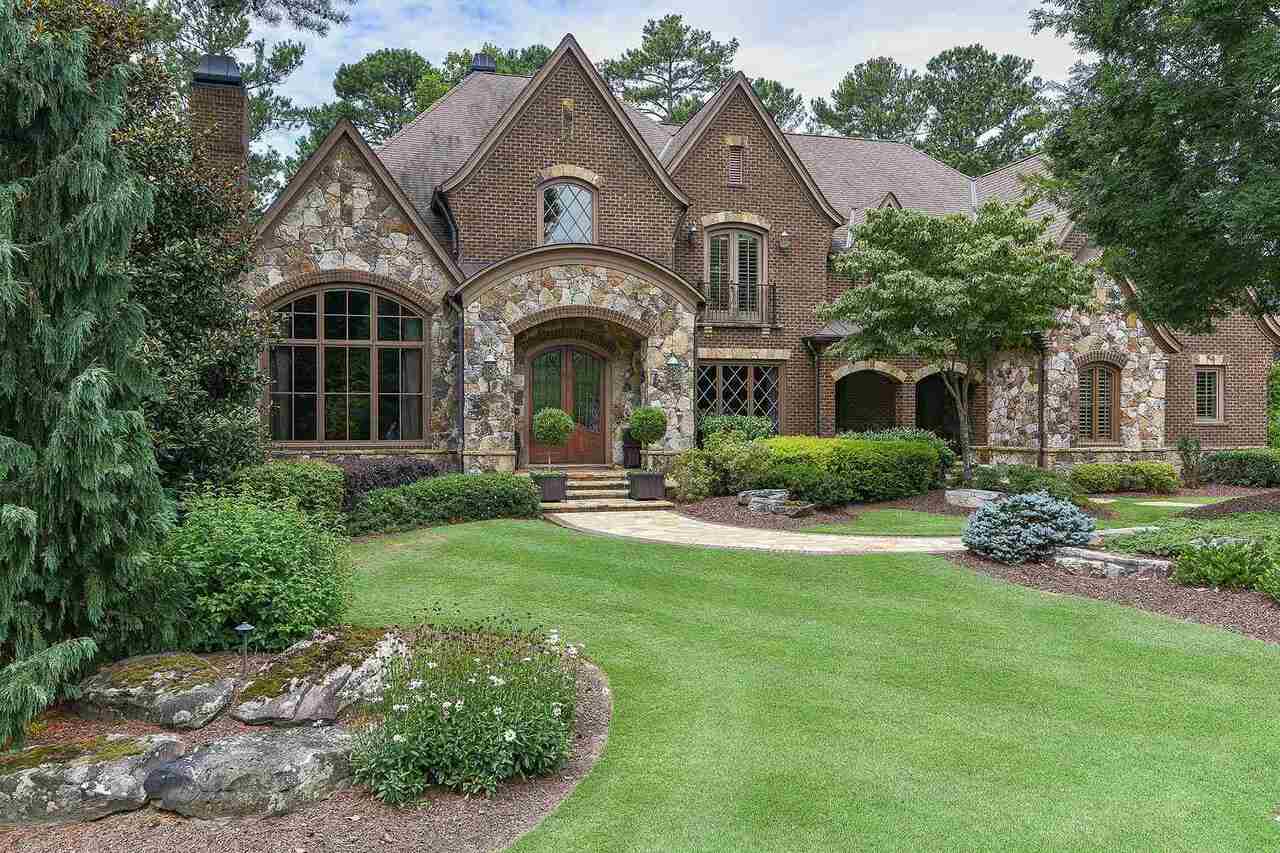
(572, 379)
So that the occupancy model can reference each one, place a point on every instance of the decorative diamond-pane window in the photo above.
(1208, 394)
(1097, 403)
(738, 389)
(567, 214)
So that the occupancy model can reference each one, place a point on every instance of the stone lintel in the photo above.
(743, 354)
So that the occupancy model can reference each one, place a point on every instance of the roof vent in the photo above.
(484, 62)
(218, 71)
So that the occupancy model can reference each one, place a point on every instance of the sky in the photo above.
(808, 47)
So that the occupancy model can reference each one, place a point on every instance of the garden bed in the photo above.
(1253, 501)
(1242, 611)
(351, 821)
(726, 511)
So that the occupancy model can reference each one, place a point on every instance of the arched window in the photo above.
(568, 213)
(351, 367)
(1099, 391)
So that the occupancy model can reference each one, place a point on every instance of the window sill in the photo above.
(1201, 423)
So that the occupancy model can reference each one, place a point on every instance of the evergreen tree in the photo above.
(80, 495)
(673, 71)
(878, 99)
(785, 104)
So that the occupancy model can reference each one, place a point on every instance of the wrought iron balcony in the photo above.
(734, 304)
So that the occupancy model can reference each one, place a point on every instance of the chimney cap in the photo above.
(484, 62)
(218, 71)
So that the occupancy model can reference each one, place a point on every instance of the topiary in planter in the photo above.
(647, 425)
(552, 427)
(1026, 527)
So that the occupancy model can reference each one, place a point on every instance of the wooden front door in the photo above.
(571, 379)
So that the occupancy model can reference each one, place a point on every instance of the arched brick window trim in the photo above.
(562, 312)
(1097, 400)
(269, 298)
(930, 369)
(1114, 357)
(881, 367)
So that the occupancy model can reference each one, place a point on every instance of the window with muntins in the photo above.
(1209, 394)
(738, 389)
(568, 214)
(734, 272)
(1099, 386)
(351, 367)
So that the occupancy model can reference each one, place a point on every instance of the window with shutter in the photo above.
(1098, 392)
(1209, 394)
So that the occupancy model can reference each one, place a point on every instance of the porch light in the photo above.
(692, 232)
(784, 241)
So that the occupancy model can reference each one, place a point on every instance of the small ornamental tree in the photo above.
(648, 424)
(954, 290)
(552, 428)
(80, 496)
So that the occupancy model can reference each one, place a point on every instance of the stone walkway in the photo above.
(671, 528)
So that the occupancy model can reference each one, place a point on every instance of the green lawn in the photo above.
(1126, 512)
(886, 702)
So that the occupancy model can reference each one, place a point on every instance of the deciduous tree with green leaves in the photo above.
(1168, 155)
(80, 496)
(673, 71)
(785, 104)
(878, 99)
(954, 290)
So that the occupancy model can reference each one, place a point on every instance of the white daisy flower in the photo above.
(509, 735)
(497, 711)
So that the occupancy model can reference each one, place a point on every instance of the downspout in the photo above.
(817, 385)
(1042, 457)
(459, 379)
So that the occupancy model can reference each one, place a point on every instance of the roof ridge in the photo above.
(908, 145)
(1031, 156)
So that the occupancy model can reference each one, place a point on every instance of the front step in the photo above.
(604, 505)
(578, 493)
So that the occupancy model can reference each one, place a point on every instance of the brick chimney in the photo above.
(220, 114)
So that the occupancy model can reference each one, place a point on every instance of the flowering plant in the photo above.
(471, 708)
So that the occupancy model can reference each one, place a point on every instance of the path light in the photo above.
(244, 629)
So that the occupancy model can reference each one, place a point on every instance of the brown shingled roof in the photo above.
(1007, 184)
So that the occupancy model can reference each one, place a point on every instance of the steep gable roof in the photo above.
(1008, 184)
(685, 140)
(568, 48)
(345, 130)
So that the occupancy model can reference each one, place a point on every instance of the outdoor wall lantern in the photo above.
(784, 241)
(674, 369)
(692, 232)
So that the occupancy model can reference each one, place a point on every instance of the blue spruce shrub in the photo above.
(1026, 527)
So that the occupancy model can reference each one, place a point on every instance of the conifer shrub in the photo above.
(1026, 527)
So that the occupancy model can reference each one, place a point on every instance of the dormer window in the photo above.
(568, 213)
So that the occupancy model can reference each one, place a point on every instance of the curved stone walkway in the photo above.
(672, 528)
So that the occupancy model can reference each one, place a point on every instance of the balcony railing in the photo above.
(736, 304)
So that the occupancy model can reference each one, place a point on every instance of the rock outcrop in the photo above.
(178, 690)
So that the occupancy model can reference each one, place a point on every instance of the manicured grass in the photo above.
(1125, 512)
(887, 702)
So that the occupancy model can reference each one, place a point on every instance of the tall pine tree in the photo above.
(80, 496)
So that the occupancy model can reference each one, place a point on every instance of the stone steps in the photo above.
(604, 505)
(577, 493)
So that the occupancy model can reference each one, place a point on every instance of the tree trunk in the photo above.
(960, 388)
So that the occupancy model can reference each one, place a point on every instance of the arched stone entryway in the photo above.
(509, 316)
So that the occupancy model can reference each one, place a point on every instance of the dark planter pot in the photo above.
(554, 488)
(647, 485)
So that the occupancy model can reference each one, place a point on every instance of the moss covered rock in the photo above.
(179, 690)
(81, 781)
(318, 679)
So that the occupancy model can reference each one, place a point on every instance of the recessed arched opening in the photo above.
(866, 400)
(936, 409)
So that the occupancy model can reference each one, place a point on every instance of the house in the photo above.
(535, 242)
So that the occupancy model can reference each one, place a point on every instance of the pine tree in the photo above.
(80, 496)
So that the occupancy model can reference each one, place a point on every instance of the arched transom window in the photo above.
(568, 213)
(351, 367)
(1099, 390)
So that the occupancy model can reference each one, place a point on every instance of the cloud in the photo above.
(809, 48)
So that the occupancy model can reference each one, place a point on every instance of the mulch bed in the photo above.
(726, 511)
(1256, 502)
(351, 821)
(1243, 611)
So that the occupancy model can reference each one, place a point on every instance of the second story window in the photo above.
(568, 213)
(735, 271)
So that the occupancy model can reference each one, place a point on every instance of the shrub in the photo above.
(1176, 535)
(362, 474)
(1225, 563)
(1243, 467)
(946, 456)
(316, 486)
(1268, 581)
(1026, 527)
(748, 427)
(444, 500)
(1025, 480)
(467, 712)
(1273, 406)
(272, 565)
(1192, 459)
(1099, 477)
(693, 476)
(552, 428)
(859, 470)
(736, 464)
(648, 424)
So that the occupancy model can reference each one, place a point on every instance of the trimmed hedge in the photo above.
(1099, 477)
(946, 456)
(317, 486)
(852, 470)
(749, 427)
(1259, 467)
(445, 500)
(363, 475)
(1025, 480)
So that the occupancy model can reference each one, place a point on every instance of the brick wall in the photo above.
(220, 121)
(497, 209)
(769, 190)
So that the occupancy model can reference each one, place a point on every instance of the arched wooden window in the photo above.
(1099, 392)
(351, 366)
(735, 274)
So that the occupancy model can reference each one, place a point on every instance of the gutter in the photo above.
(459, 379)
(440, 203)
(810, 344)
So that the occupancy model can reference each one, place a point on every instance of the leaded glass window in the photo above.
(568, 212)
(738, 389)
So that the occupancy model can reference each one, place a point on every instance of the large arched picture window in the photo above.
(351, 367)
(568, 213)
(1099, 390)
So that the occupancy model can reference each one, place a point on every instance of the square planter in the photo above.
(647, 485)
(553, 488)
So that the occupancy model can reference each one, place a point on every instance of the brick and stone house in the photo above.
(534, 242)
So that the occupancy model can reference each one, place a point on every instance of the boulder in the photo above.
(745, 498)
(179, 691)
(971, 498)
(317, 679)
(270, 772)
(81, 781)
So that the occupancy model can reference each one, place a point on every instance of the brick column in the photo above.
(904, 404)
